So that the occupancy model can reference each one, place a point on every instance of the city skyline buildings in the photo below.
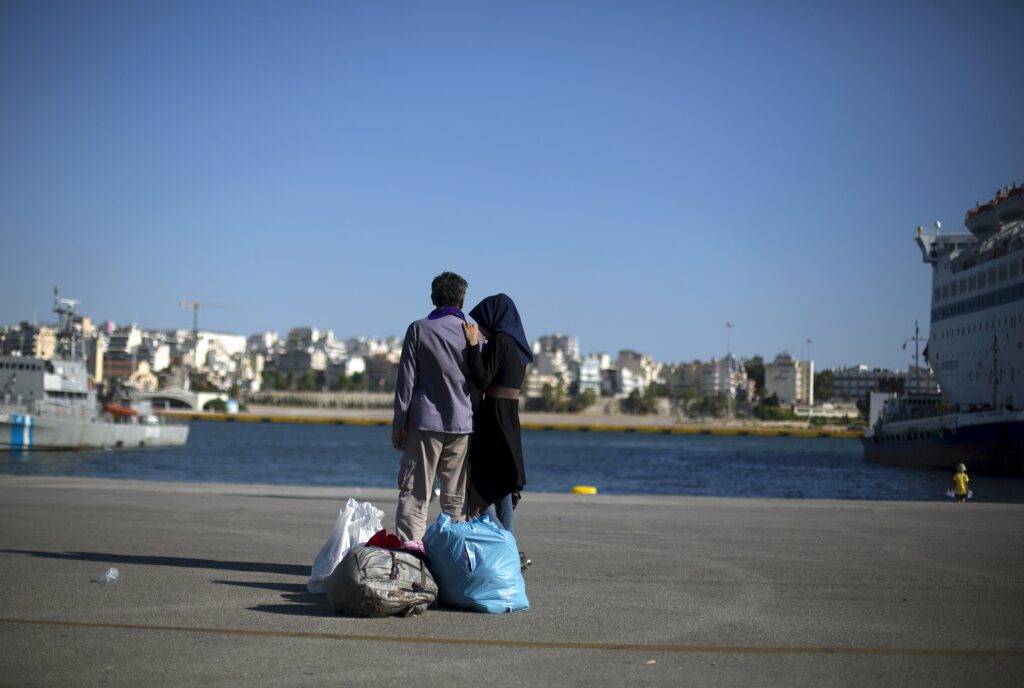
(308, 359)
(615, 169)
(268, 341)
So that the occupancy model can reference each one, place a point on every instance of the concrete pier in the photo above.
(655, 425)
(624, 591)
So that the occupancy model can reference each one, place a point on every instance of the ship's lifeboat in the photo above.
(119, 411)
(982, 219)
(1007, 206)
(1012, 207)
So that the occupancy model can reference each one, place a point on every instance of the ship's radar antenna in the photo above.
(61, 306)
(68, 343)
(938, 226)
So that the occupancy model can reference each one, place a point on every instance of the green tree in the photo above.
(553, 399)
(547, 398)
(588, 398)
(755, 371)
(710, 406)
(274, 379)
(772, 409)
(823, 385)
(687, 394)
(641, 404)
(657, 389)
(308, 383)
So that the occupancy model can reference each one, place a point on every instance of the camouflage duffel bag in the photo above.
(373, 581)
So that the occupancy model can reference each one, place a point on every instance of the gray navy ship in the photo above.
(975, 348)
(49, 404)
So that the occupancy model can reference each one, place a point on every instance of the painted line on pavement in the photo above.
(538, 644)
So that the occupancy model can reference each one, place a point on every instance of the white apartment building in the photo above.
(369, 346)
(125, 339)
(301, 339)
(548, 368)
(590, 375)
(180, 342)
(298, 362)
(568, 345)
(789, 379)
(857, 382)
(221, 343)
(723, 376)
(160, 356)
(263, 342)
(627, 381)
(920, 380)
(643, 370)
(681, 378)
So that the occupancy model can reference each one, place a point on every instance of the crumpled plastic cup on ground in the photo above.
(108, 576)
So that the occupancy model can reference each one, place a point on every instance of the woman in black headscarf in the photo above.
(496, 451)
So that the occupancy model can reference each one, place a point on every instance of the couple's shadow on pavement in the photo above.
(300, 601)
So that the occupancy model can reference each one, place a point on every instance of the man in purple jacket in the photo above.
(433, 410)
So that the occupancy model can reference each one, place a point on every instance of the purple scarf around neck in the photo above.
(439, 313)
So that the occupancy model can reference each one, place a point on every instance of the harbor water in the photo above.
(615, 463)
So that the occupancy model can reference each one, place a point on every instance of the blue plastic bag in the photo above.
(476, 565)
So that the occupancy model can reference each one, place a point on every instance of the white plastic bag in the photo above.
(357, 523)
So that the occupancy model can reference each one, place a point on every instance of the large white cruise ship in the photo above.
(975, 347)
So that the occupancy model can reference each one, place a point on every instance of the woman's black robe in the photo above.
(496, 450)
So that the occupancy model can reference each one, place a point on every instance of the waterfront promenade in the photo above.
(624, 591)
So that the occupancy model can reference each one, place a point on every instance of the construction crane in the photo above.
(195, 306)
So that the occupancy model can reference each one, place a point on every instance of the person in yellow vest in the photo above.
(960, 481)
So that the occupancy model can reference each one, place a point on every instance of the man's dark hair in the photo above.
(448, 289)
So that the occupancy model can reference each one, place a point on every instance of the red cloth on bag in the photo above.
(382, 539)
(385, 540)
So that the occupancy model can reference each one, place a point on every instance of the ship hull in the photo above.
(996, 446)
(19, 431)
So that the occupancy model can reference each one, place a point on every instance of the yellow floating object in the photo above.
(584, 489)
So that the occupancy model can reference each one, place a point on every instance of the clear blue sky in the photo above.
(633, 173)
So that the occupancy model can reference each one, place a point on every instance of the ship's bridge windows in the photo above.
(981, 280)
(991, 275)
(1014, 271)
(972, 282)
(952, 289)
(938, 294)
(1002, 272)
(945, 291)
(963, 286)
